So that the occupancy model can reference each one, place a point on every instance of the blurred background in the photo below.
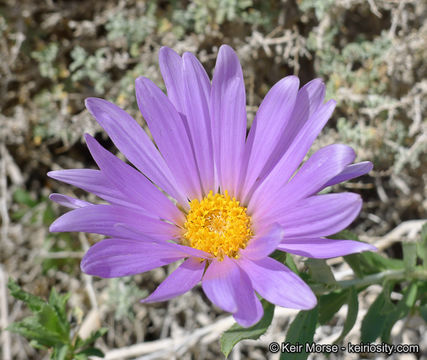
(54, 54)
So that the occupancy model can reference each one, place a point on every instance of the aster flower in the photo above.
(206, 194)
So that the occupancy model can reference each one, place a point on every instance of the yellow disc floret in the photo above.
(217, 225)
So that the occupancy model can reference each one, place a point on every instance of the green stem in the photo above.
(398, 275)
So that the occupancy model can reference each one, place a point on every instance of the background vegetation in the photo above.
(54, 54)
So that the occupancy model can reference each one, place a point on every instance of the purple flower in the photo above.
(208, 194)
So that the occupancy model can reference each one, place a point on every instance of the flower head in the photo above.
(209, 195)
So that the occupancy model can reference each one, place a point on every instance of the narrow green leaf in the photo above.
(345, 235)
(18, 214)
(409, 255)
(320, 271)
(34, 344)
(280, 256)
(422, 245)
(237, 333)
(367, 263)
(23, 197)
(92, 351)
(80, 344)
(410, 296)
(59, 305)
(374, 321)
(80, 357)
(329, 304)
(301, 331)
(48, 215)
(34, 302)
(400, 311)
(353, 309)
(32, 330)
(290, 263)
(61, 352)
(286, 259)
(423, 312)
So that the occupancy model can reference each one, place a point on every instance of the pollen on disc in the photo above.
(218, 225)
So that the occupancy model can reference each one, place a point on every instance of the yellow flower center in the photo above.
(217, 225)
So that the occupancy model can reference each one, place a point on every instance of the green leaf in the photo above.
(92, 351)
(367, 263)
(290, 263)
(48, 214)
(59, 304)
(329, 304)
(36, 345)
(320, 271)
(237, 333)
(422, 245)
(345, 235)
(280, 256)
(34, 302)
(61, 352)
(400, 311)
(18, 214)
(301, 331)
(286, 259)
(374, 321)
(353, 309)
(409, 255)
(23, 197)
(423, 312)
(48, 317)
(31, 329)
(48, 326)
(80, 357)
(80, 344)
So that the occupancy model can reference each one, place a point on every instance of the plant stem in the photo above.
(378, 278)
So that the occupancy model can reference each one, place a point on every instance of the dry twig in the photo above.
(5, 336)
